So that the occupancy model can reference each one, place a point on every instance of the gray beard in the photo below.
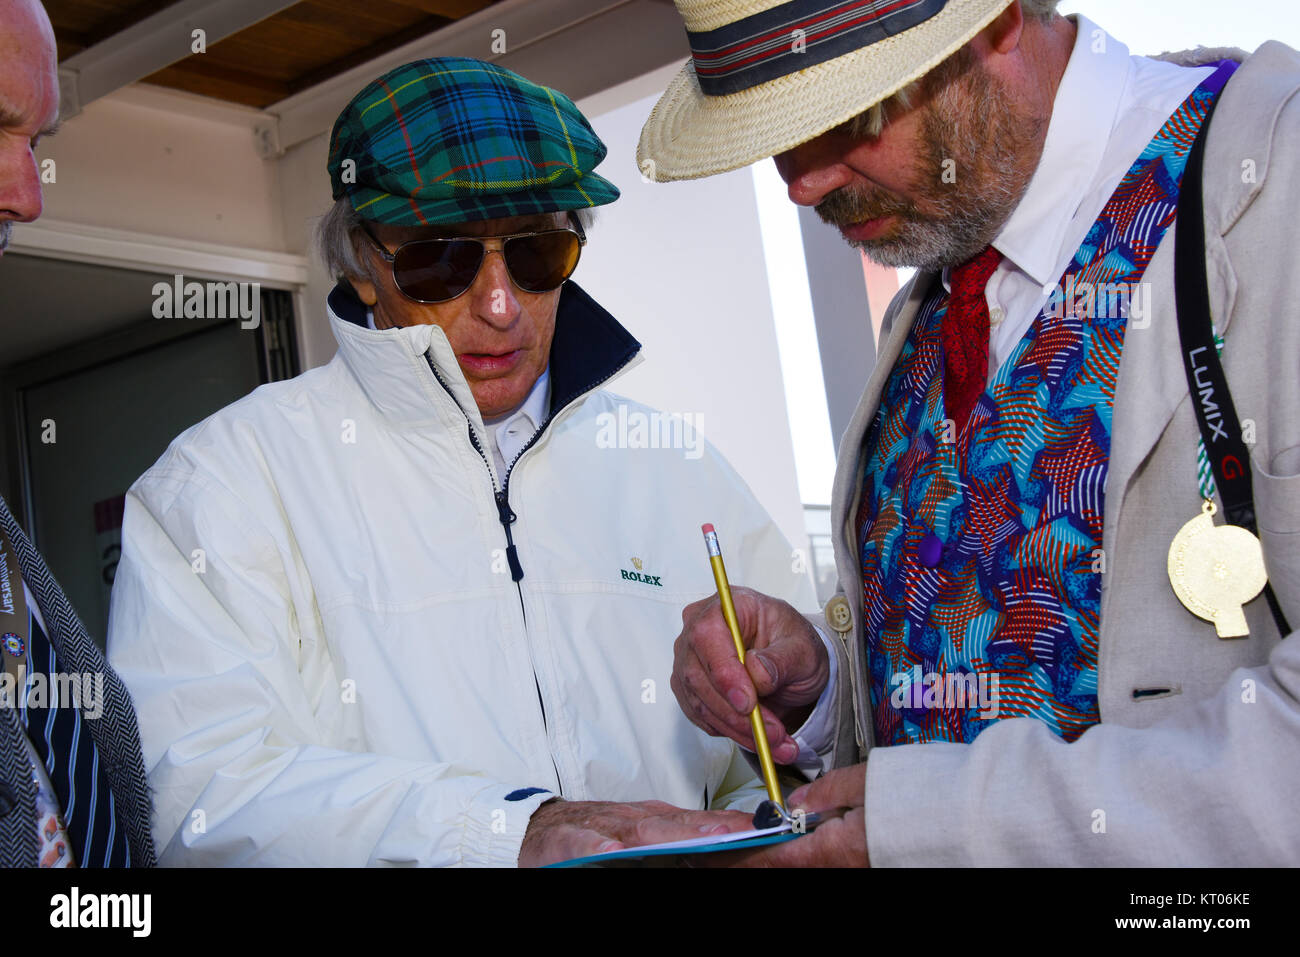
(995, 151)
(934, 246)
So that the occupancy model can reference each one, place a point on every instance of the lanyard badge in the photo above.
(13, 616)
(1214, 569)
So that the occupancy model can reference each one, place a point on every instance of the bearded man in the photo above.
(1059, 643)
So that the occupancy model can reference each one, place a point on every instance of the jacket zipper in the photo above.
(503, 497)
(506, 515)
(508, 518)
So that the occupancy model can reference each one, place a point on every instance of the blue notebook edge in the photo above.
(631, 853)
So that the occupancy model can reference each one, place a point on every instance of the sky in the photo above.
(1146, 26)
(1156, 26)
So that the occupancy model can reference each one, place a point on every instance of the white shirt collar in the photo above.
(1083, 116)
(533, 409)
(510, 433)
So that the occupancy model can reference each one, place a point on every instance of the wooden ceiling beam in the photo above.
(123, 19)
(152, 44)
(200, 68)
(451, 9)
(367, 53)
(313, 109)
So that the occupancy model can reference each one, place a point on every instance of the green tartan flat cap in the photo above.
(454, 140)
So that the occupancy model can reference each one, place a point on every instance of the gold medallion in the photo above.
(1215, 569)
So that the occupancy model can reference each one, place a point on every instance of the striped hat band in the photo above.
(796, 35)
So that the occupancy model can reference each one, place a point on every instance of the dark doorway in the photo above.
(87, 418)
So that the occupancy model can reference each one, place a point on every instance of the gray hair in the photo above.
(870, 123)
(337, 239)
(336, 242)
(1041, 10)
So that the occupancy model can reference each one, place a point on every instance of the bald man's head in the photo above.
(29, 107)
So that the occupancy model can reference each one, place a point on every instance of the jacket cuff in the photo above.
(816, 735)
(495, 823)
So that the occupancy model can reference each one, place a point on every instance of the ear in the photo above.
(1003, 34)
(365, 289)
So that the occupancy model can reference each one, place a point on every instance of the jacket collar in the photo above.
(1152, 383)
(391, 365)
(848, 467)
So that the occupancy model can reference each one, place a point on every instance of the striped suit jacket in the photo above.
(115, 733)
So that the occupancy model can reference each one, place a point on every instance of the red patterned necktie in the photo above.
(965, 336)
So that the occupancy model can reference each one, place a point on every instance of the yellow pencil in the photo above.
(729, 613)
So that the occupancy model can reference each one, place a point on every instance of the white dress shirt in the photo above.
(508, 434)
(1107, 109)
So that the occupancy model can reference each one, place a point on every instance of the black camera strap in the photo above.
(1225, 447)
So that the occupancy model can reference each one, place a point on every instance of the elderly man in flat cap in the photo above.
(1067, 530)
(416, 606)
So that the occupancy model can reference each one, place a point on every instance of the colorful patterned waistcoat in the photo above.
(981, 543)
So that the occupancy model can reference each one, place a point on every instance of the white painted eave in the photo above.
(124, 249)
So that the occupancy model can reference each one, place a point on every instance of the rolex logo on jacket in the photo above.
(639, 576)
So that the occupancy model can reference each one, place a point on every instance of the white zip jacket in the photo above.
(317, 613)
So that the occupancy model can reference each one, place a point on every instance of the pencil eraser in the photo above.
(706, 529)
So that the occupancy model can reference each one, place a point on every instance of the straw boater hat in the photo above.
(767, 75)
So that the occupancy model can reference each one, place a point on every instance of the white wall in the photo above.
(304, 198)
(168, 164)
(682, 266)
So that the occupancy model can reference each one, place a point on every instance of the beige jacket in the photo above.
(1207, 771)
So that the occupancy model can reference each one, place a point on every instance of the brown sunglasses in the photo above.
(439, 270)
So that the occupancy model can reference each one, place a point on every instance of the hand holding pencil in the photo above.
(786, 667)
(761, 747)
